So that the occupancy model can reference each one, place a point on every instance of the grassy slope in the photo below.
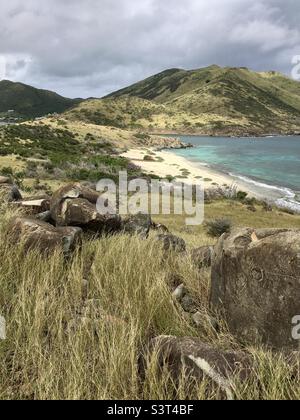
(123, 113)
(29, 102)
(216, 100)
(43, 359)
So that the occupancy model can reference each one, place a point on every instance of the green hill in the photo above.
(123, 112)
(217, 100)
(29, 102)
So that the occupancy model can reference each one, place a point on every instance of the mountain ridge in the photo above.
(211, 100)
(29, 102)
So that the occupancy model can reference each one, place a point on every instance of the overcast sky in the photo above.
(92, 47)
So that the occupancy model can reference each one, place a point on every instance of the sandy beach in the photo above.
(167, 163)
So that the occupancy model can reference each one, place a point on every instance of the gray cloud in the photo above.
(93, 47)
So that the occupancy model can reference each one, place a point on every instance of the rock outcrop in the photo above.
(202, 362)
(139, 224)
(36, 234)
(256, 285)
(75, 205)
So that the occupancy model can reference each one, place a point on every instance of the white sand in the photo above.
(168, 163)
(171, 164)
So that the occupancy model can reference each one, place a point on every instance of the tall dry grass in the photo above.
(76, 329)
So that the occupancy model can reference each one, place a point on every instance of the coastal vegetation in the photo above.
(81, 325)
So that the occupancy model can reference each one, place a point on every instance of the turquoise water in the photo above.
(273, 161)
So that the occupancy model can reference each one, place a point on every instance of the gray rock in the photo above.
(39, 235)
(186, 301)
(256, 285)
(188, 304)
(75, 205)
(202, 362)
(44, 217)
(34, 205)
(179, 292)
(139, 224)
(70, 191)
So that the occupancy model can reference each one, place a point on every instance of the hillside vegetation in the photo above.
(47, 153)
(213, 100)
(47, 356)
(28, 102)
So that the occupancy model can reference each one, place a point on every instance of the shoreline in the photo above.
(224, 135)
(166, 164)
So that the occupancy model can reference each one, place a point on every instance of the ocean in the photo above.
(271, 164)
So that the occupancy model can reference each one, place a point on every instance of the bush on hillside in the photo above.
(217, 227)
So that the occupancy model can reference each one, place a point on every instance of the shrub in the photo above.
(170, 178)
(7, 171)
(241, 195)
(142, 136)
(217, 227)
(149, 158)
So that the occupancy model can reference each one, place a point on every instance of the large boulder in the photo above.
(75, 205)
(256, 285)
(201, 362)
(70, 191)
(80, 212)
(36, 234)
